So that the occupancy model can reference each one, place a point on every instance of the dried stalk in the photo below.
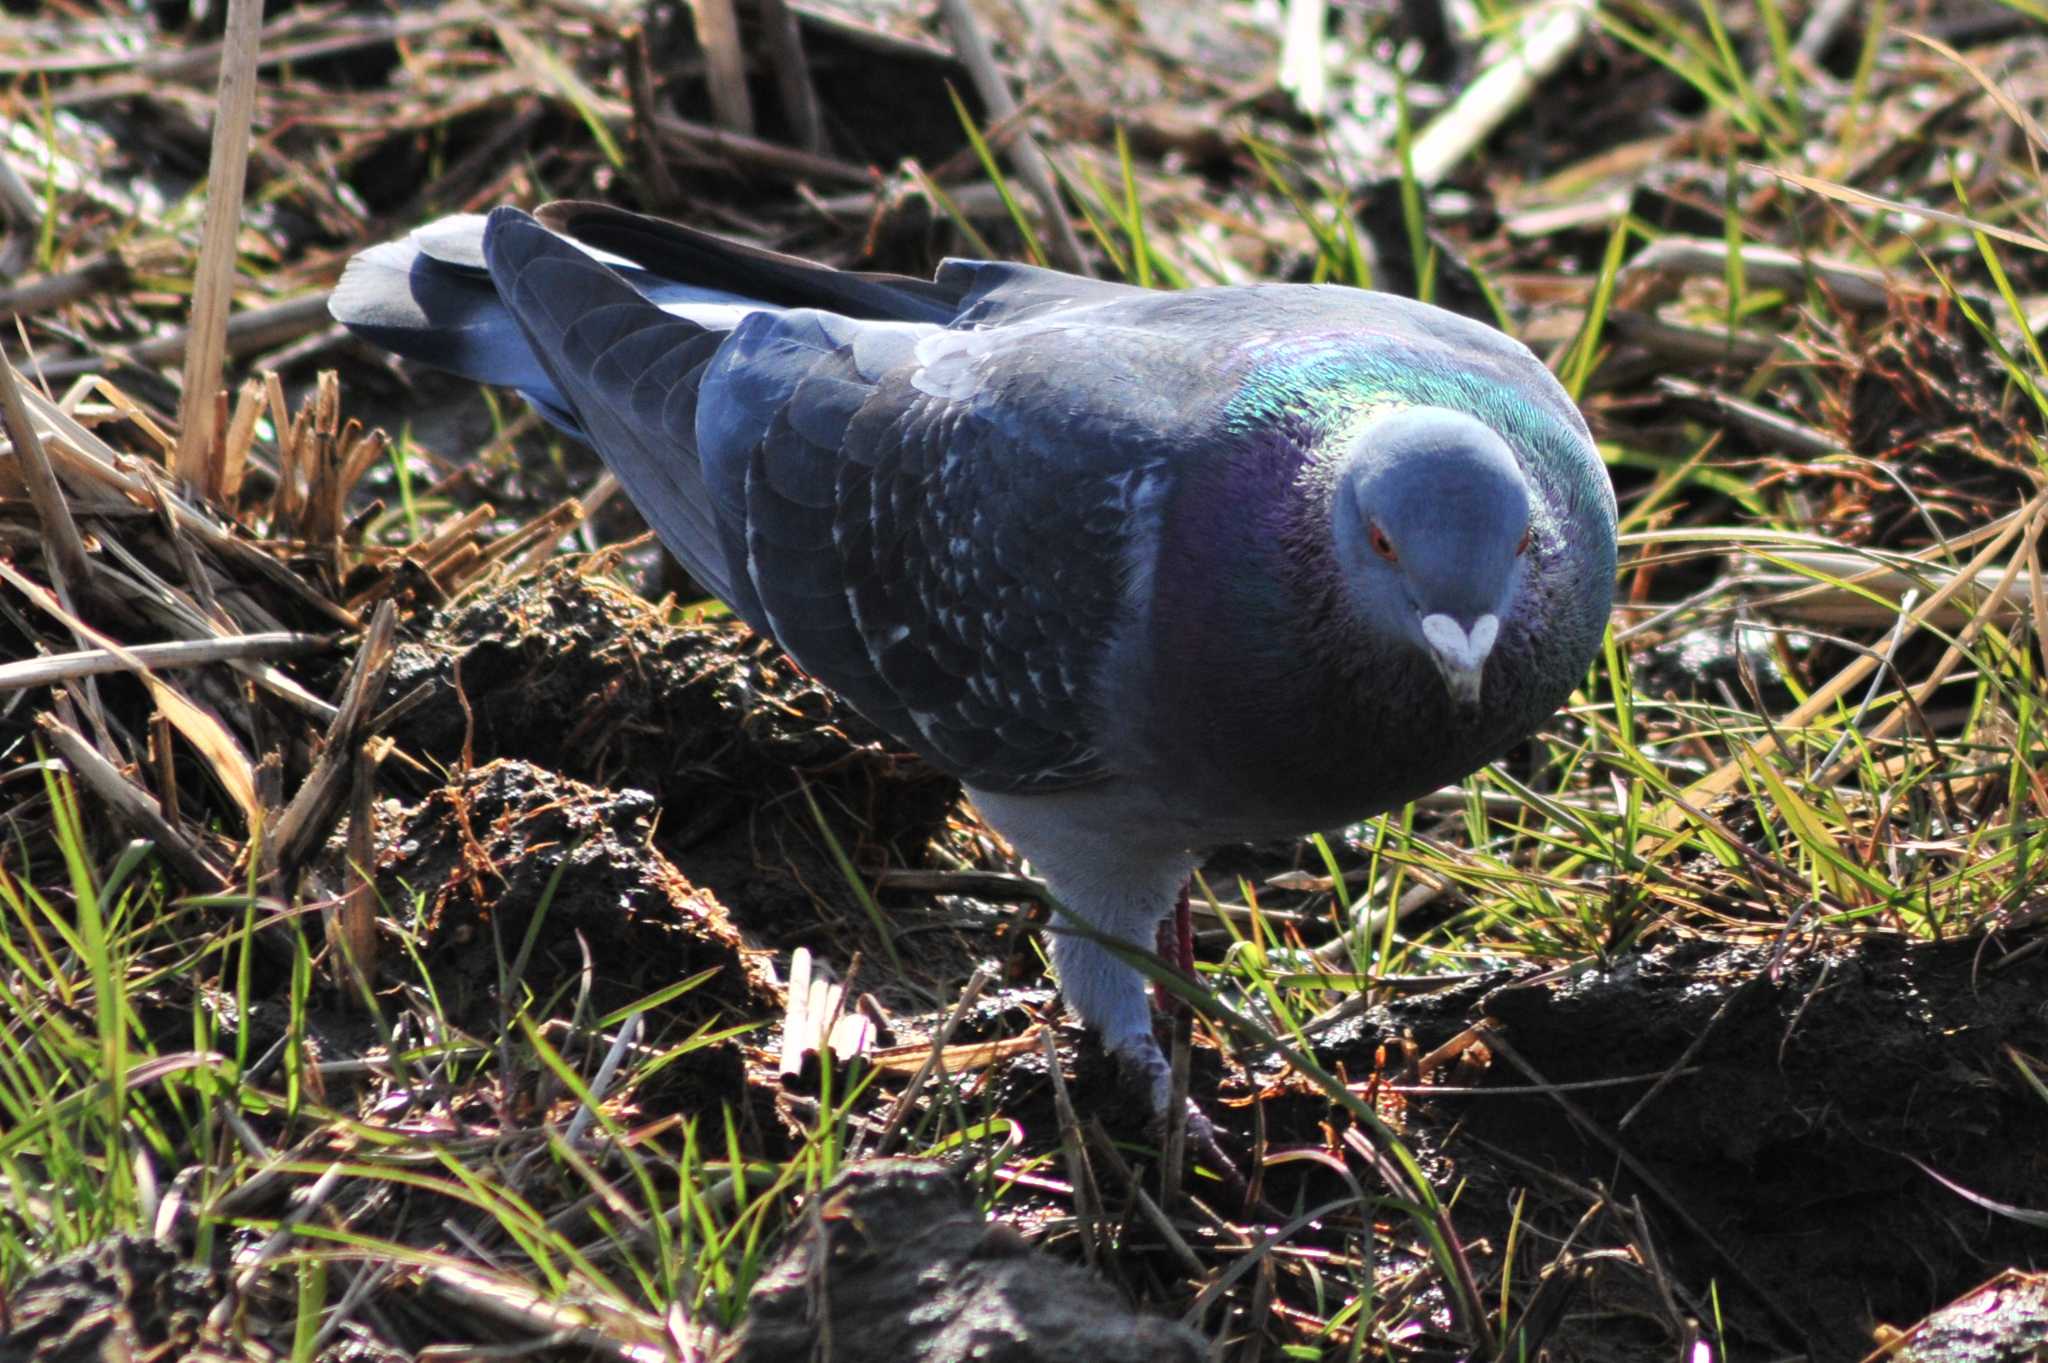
(725, 64)
(225, 178)
(131, 805)
(69, 567)
(306, 819)
(1546, 37)
(55, 668)
(975, 54)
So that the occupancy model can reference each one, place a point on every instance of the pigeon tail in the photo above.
(605, 321)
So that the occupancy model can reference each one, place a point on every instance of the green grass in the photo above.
(121, 1065)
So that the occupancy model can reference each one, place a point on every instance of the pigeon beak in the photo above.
(1461, 654)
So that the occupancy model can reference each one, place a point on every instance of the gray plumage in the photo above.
(1147, 571)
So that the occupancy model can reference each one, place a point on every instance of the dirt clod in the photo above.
(123, 1297)
(512, 861)
(909, 1272)
(2004, 1321)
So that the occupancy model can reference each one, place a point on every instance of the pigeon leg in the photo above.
(1111, 888)
(1150, 1071)
(1139, 1057)
(1176, 948)
(1122, 892)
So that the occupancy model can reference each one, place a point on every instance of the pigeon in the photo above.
(1149, 572)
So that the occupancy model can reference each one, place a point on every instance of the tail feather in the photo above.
(445, 314)
(630, 372)
(430, 297)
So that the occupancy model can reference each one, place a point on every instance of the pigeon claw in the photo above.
(1144, 1066)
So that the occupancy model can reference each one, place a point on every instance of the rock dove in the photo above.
(1149, 572)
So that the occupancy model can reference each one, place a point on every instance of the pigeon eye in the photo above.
(1522, 545)
(1383, 546)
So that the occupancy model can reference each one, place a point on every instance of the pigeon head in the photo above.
(1432, 525)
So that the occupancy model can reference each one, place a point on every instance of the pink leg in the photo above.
(1176, 947)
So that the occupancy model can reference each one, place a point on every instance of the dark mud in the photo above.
(125, 1298)
(523, 883)
(1700, 1132)
(2004, 1321)
(1788, 1165)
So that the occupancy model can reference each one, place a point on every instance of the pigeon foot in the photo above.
(1145, 1067)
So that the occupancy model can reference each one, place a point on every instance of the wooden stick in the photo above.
(203, 729)
(241, 434)
(332, 34)
(769, 156)
(1767, 267)
(892, 1123)
(131, 804)
(1682, 344)
(1302, 72)
(19, 206)
(354, 921)
(1952, 656)
(1539, 47)
(793, 74)
(1798, 593)
(1672, 816)
(588, 1326)
(718, 32)
(1773, 430)
(108, 273)
(1088, 1209)
(307, 817)
(87, 457)
(18, 203)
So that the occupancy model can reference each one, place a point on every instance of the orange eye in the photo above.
(1383, 546)
(1522, 547)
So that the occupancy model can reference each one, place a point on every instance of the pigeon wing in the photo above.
(942, 527)
(935, 523)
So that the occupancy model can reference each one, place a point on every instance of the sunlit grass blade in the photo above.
(986, 155)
